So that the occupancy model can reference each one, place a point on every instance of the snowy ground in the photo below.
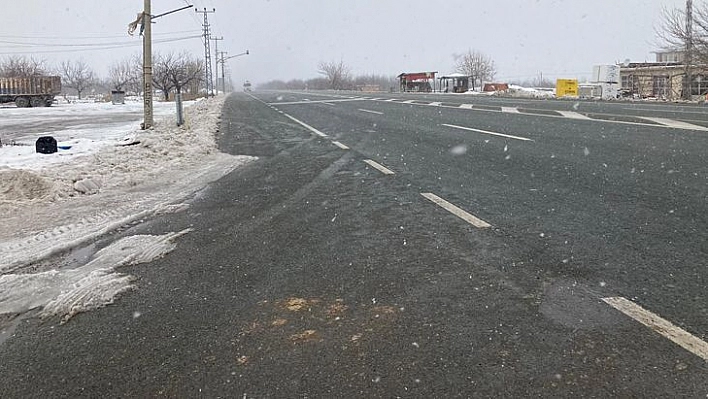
(52, 203)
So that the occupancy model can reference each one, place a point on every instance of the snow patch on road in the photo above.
(71, 291)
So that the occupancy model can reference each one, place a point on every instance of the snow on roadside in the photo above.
(48, 208)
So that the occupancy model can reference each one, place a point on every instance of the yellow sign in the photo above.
(567, 88)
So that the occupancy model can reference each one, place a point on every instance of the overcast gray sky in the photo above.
(287, 38)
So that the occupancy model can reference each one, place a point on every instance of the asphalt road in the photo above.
(413, 246)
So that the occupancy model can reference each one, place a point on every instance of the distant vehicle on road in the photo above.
(246, 86)
(35, 91)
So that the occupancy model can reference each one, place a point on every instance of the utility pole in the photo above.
(688, 57)
(145, 19)
(216, 58)
(223, 82)
(207, 51)
(223, 66)
(147, 65)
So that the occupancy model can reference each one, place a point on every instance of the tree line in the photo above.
(337, 75)
(171, 73)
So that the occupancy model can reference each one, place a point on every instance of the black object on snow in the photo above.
(46, 145)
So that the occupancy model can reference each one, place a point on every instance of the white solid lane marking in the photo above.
(435, 104)
(370, 111)
(329, 104)
(467, 106)
(467, 217)
(662, 326)
(487, 132)
(340, 145)
(379, 167)
(391, 99)
(676, 124)
(574, 115)
(699, 110)
(316, 102)
(510, 110)
(310, 128)
(409, 102)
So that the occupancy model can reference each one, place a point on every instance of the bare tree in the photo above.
(21, 67)
(126, 75)
(478, 66)
(337, 74)
(190, 75)
(76, 75)
(172, 72)
(686, 30)
(675, 33)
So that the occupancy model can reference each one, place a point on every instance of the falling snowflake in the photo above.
(458, 150)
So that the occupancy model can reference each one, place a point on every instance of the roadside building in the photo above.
(454, 83)
(665, 78)
(417, 81)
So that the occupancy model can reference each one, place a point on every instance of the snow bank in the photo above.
(19, 185)
(49, 204)
(520, 91)
(517, 91)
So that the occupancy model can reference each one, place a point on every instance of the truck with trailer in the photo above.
(35, 91)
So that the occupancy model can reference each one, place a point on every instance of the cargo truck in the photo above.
(36, 91)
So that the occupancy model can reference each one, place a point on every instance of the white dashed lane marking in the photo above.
(574, 115)
(305, 125)
(370, 111)
(460, 213)
(662, 326)
(510, 110)
(379, 167)
(340, 145)
(488, 132)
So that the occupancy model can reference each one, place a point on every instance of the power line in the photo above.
(109, 47)
(194, 17)
(84, 37)
(73, 45)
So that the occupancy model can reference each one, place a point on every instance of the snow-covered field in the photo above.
(113, 174)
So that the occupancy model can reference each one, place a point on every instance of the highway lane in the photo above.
(613, 110)
(527, 254)
(313, 273)
(622, 205)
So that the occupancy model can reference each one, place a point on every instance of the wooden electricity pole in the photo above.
(147, 65)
